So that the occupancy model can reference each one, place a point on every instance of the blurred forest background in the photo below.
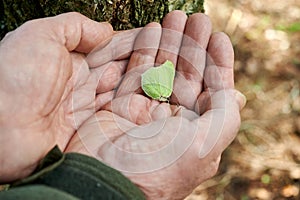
(264, 160)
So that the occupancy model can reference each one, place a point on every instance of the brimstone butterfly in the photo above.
(157, 82)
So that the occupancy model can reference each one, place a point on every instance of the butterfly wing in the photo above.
(157, 82)
(150, 83)
(166, 78)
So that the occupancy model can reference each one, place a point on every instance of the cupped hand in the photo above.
(167, 149)
(47, 89)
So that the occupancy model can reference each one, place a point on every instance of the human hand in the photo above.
(47, 89)
(166, 149)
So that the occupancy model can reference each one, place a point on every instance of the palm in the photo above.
(108, 137)
(160, 146)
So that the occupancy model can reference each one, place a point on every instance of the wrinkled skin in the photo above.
(203, 86)
(48, 96)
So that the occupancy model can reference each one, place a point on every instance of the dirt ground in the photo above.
(264, 160)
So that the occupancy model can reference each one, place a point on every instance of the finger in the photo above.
(173, 26)
(181, 111)
(103, 99)
(119, 47)
(191, 62)
(145, 46)
(71, 30)
(219, 125)
(138, 109)
(218, 73)
(132, 107)
(220, 59)
(143, 57)
(241, 99)
(160, 110)
(109, 75)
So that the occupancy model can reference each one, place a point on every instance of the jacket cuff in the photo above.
(81, 176)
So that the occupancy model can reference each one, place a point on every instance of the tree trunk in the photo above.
(122, 14)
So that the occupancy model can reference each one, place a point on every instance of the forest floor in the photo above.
(264, 160)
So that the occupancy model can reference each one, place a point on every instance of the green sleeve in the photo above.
(72, 176)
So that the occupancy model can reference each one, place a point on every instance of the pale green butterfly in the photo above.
(157, 82)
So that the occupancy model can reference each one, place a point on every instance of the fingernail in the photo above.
(241, 99)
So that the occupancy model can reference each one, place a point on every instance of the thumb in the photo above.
(78, 32)
(219, 125)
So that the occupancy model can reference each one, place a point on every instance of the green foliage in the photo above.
(4, 187)
(265, 179)
(245, 197)
(294, 27)
(14, 13)
(189, 6)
